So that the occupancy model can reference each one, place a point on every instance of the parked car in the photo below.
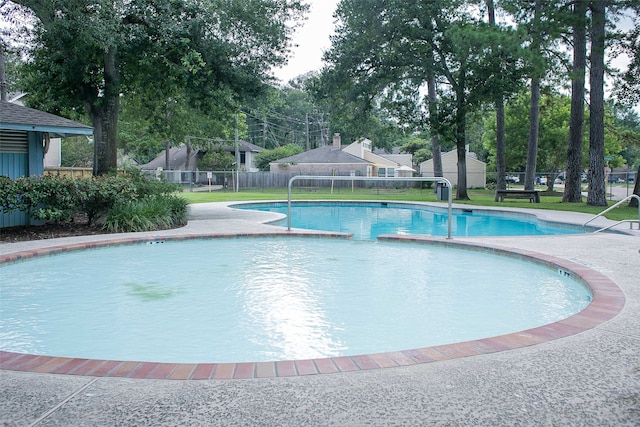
(615, 179)
(512, 179)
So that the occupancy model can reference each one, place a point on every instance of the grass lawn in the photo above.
(478, 198)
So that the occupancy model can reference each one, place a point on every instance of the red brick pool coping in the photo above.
(608, 300)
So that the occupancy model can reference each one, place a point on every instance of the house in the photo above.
(178, 157)
(356, 158)
(25, 138)
(476, 169)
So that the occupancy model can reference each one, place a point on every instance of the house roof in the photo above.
(177, 159)
(17, 117)
(327, 154)
(242, 146)
(178, 155)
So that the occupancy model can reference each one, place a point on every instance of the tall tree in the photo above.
(572, 184)
(88, 53)
(382, 51)
(597, 195)
(534, 109)
(501, 170)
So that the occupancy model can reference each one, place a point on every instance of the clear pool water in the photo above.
(368, 220)
(263, 299)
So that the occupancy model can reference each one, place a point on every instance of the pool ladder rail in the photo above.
(630, 221)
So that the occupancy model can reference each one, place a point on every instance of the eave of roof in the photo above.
(17, 117)
(53, 130)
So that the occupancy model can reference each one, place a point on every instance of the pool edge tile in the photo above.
(608, 301)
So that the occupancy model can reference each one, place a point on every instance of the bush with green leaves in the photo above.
(46, 198)
(157, 212)
(60, 199)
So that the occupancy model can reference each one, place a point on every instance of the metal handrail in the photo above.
(370, 178)
(630, 221)
(629, 197)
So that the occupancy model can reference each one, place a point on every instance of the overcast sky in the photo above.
(312, 40)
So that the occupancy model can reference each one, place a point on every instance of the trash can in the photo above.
(442, 192)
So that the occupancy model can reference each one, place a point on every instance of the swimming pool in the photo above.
(367, 220)
(271, 298)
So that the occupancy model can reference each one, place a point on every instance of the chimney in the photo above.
(336, 140)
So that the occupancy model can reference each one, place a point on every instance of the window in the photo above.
(386, 172)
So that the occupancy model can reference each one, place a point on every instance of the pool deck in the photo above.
(591, 377)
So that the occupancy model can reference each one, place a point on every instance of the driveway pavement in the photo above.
(588, 379)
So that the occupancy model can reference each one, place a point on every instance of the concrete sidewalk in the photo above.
(588, 379)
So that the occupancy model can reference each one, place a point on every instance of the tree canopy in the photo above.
(385, 53)
(87, 54)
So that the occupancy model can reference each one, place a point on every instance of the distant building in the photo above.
(476, 169)
(356, 158)
(178, 157)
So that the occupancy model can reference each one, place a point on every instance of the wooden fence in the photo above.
(71, 172)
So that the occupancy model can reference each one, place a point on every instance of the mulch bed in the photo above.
(46, 231)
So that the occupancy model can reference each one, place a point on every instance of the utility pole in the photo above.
(3, 76)
(307, 129)
(237, 157)
(264, 132)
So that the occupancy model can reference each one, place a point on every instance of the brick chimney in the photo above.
(337, 142)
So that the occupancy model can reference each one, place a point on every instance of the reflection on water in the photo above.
(282, 300)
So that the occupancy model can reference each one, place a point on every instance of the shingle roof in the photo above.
(17, 117)
(177, 159)
(242, 146)
(328, 154)
(178, 155)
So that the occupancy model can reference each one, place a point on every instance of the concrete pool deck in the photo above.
(589, 378)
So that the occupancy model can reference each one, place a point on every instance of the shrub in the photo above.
(154, 212)
(60, 199)
(45, 198)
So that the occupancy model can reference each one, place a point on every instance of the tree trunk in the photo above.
(532, 148)
(573, 184)
(435, 138)
(501, 167)
(461, 116)
(167, 155)
(534, 110)
(597, 189)
(187, 165)
(633, 203)
(104, 118)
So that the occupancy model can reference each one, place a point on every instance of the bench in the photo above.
(532, 195)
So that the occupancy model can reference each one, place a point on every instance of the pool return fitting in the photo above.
(438, 180)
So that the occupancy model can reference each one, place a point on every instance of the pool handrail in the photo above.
(436, 179)
(630, 221)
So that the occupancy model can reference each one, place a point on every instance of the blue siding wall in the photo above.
(15, 165)
(36, 154)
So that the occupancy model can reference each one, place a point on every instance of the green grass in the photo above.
(478, 198)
